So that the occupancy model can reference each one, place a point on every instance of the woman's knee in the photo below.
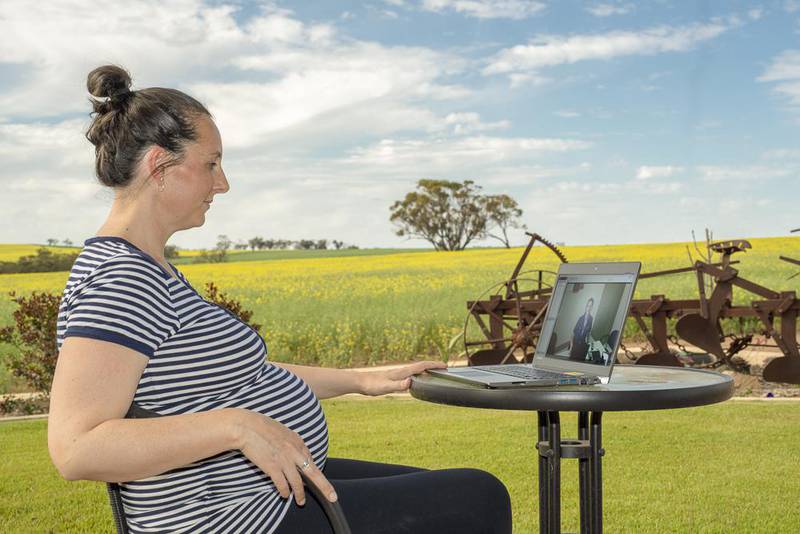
(487, 484)
(488, 497)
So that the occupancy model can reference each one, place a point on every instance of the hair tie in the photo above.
(119, 95)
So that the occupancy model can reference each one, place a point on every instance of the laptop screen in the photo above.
(585, 318)
(587, 325)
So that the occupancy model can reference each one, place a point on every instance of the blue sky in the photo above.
(609, 122)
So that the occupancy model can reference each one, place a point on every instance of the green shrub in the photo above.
(232, 305)
(33, 333)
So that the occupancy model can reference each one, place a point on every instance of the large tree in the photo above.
(449, 215)
(503, 213)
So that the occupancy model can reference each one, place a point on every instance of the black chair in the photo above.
(333, 510)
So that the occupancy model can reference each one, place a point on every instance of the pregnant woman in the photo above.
(235, 427)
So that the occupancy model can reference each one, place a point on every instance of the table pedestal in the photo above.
(588, 450)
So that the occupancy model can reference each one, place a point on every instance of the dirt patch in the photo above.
(753, 384)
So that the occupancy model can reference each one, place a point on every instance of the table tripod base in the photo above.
(589, 451)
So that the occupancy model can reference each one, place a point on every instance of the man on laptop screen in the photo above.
(580, 334)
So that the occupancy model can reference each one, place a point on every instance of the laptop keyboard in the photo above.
(521, 372)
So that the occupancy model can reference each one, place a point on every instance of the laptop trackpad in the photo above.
(476, 374)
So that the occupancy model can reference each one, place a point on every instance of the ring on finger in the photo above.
(306, 464)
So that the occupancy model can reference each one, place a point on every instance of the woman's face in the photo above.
(191, 185)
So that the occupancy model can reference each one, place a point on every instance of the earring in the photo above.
(161, 186)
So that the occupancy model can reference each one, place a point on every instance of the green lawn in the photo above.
(733, 467)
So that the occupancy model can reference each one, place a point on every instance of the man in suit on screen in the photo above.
(580, 334)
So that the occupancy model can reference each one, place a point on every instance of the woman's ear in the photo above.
(155, 160)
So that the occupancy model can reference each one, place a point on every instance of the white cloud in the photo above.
(645, 172)
(745, 173)
(159, 43)
(293, 71)
(785, 66)
(279, 88)
(487, 9)
(47, 167)
(659, 188)
(791, 6)
(606, 10)
(785, 69)
(572, 211)
(731, 204)
(522, 79)
(438, 153)
(781, 154)
(527, 175)
(692, 203)
(550, 50)
(331, 80)
(468, 122)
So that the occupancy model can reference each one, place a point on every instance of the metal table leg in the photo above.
(554, 461)
(584, 475)
(544, 476)
(596, 474)
(588, 450)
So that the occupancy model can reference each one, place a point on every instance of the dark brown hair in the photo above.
(126, 124)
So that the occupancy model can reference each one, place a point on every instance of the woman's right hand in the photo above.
(279, 452)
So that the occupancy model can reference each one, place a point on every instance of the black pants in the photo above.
(392, 499)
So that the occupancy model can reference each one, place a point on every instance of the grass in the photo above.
(725, 468)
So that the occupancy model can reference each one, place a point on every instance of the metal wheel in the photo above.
(504, 323)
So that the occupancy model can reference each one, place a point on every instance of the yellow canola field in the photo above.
(368, 309)
(15, 252)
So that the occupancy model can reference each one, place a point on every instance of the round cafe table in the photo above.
(632, 387)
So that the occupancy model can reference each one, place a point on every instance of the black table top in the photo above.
(632, 387)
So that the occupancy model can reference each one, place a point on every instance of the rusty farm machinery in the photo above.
(504, 323)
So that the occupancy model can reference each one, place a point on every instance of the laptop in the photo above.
(580, 335)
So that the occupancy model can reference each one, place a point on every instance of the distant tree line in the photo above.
(45, 261)
(54, 242)
(220, 252)
(259, 243)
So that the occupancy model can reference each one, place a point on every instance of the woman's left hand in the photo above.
(395, 380)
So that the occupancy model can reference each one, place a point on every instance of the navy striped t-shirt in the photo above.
(200, 358)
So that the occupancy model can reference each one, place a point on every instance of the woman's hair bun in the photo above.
(106, 80)
(126, 123)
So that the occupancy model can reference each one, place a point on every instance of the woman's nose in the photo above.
(223, 186)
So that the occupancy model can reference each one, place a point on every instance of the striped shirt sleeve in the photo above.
(125, 301)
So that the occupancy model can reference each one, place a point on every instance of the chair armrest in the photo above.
(333, 510)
